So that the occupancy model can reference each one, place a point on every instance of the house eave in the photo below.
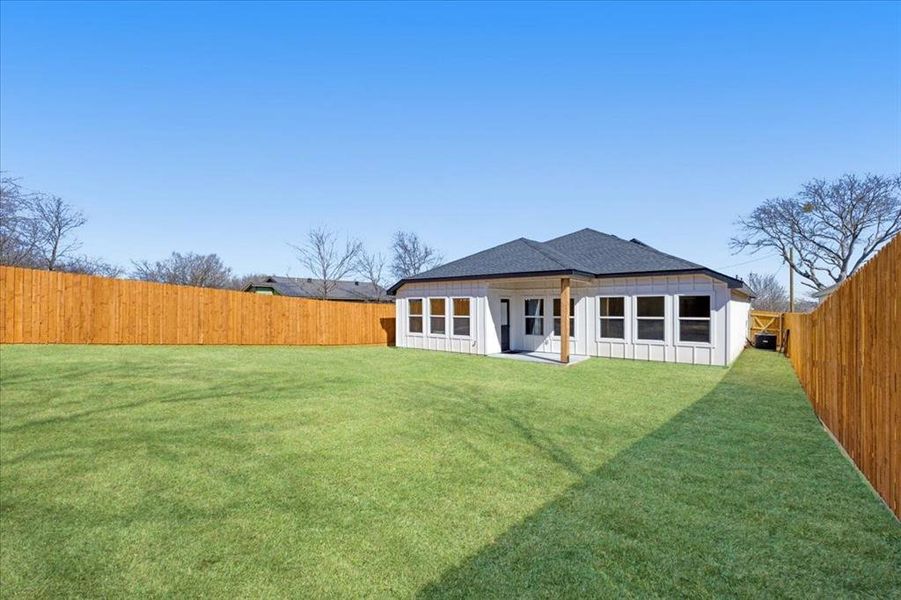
(731, 282)
(521, 274)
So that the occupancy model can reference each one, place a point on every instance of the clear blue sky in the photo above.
(233, 128)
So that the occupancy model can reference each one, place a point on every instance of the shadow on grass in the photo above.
(487, 418)
(171, 393)
(741, 494)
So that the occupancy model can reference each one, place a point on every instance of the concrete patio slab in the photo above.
(548, 358)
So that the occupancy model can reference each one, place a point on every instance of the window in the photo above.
(572, 317)
(414, 322)
(461, 316)
(612, 311)
(694, 319)
(650, 315)
(535, 317)
(437, 316)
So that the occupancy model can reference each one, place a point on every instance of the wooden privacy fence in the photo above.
(44, 307)
(765, 321)
(847, 354)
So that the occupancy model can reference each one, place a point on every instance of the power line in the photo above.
(748, 261)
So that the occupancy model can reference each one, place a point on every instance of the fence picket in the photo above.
(45, 307)
(847, 355)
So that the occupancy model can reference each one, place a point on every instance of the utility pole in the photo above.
(791, 280)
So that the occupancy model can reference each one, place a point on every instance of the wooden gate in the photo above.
(765, 321)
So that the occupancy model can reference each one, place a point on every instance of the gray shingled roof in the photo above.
(303, 287)
(586, 252)
(603, 253)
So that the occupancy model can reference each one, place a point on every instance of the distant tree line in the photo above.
(824, 233)
(325, 255)
(40, 231)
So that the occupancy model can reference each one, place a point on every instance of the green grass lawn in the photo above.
(352, 472)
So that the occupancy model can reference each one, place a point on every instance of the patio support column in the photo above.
(564, 320)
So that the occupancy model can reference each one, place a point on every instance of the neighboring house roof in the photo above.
(826, 291)
(586, 252)
(304, 287)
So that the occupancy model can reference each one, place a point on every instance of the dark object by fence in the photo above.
(785, 337)
(765, 341)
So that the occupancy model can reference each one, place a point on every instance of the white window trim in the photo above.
(677, 318)
(437, 335)
(454, 316)
(421, 316)
(572, 317)
(636, 318)
(625, 319)
(542, 317)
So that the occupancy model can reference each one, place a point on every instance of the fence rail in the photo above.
(44, 307)
(847, 354)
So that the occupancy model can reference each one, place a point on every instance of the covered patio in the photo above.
(533, 316)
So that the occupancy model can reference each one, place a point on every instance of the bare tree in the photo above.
(372, 268)
(19, 233)
(770, 294)
(829, 229)
(411, 255)
(56, 220)
(201, 270)
(326, 259)
(90, 266)
(805, 305)
(37, 231)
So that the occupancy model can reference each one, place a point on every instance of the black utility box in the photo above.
(765, 341)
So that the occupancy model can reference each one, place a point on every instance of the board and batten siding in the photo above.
(670, 349)
(729, 314)
(472, 344)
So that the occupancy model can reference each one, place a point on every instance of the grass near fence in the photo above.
(350, 472)
(847, 355)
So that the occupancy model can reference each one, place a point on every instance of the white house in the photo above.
(626, 300)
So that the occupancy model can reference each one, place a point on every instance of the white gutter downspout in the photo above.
(728, 353)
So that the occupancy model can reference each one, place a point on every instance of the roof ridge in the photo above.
(587, 251)
(554, 255)
(603, 233)
(598, 231)
(635, 241)
(291, 279)
(662, 253)
(456, 260)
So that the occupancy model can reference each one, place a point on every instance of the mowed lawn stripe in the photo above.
(349, 472)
